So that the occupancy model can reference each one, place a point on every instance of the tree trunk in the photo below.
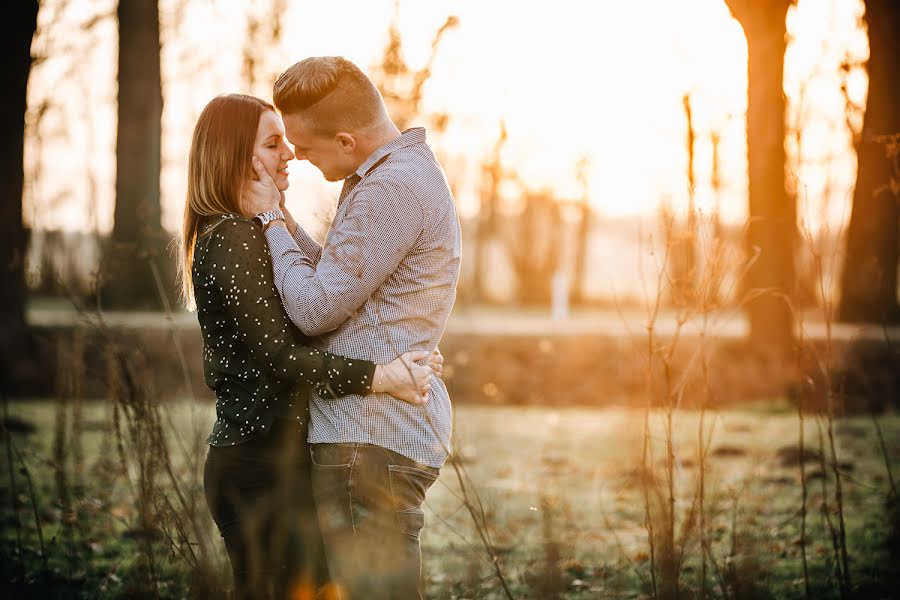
(16, 33)
(578, 286)
(484, 235)
(869, 280)
(492, 173)
(683, 236)
(136, 261)
(771, 230)
(535, 250)
(582, 253)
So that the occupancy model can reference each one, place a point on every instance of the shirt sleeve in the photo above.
(240, 272)
(307, 245)
(380, 226)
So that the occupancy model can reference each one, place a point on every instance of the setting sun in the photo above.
(603, 80)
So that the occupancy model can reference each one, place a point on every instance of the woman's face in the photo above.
(271, 148)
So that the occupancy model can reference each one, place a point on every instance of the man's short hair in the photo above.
(332, 93)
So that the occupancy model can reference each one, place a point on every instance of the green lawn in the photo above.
(560, 489)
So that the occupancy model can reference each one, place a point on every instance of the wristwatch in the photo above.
(270, 215)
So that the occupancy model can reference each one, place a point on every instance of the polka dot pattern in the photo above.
(258, 363)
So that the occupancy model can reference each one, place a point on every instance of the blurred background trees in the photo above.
(401, 86)
(869, 281)
(534, 248)
(19, 24)
(138, 270)
(265, 29)
(519, 235)
(492, 175)
(772, 212)
(580, 271)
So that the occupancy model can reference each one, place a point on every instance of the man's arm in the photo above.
(261, 195)
(383, 220)
(305, 242)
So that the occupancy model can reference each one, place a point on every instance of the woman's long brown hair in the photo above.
(218, 166)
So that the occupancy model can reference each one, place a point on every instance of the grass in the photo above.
(585, 461)
(562, 491)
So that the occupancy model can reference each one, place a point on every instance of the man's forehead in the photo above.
(299, 125)
(294, 120)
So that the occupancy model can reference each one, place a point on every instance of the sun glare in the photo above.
(601, 80)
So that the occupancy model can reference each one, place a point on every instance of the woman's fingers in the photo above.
(407, 380)
(436, 361)
(419, 376)
(423, 376)
(425, 389)
(437, 357)
(416, 356)
(424, 381)
(418, 398)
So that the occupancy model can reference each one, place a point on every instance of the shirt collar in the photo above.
(410, 137)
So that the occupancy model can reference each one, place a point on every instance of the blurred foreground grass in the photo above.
(561, 489)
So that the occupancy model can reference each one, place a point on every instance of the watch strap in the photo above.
(268, 216)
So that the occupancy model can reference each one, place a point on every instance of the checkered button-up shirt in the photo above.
(383, 284)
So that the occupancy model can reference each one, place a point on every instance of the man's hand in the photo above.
(260, 195)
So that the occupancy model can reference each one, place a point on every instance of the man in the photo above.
(383, 284)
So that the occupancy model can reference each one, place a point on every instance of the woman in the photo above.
(260, 366)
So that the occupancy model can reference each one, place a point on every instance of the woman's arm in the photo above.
(404, 379)
(239, 269)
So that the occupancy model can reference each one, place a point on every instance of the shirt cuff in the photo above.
(280, 241)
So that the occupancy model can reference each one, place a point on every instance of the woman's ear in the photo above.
(347, 142)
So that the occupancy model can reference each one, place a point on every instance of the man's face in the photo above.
(325, 152)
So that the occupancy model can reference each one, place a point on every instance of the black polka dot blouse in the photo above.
(259, 364)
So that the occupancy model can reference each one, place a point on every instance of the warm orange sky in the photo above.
(570, 78)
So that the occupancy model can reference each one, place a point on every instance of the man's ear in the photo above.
(347, 142)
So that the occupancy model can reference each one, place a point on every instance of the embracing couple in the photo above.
(329, 426)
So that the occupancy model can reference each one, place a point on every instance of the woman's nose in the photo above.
(287, 154)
